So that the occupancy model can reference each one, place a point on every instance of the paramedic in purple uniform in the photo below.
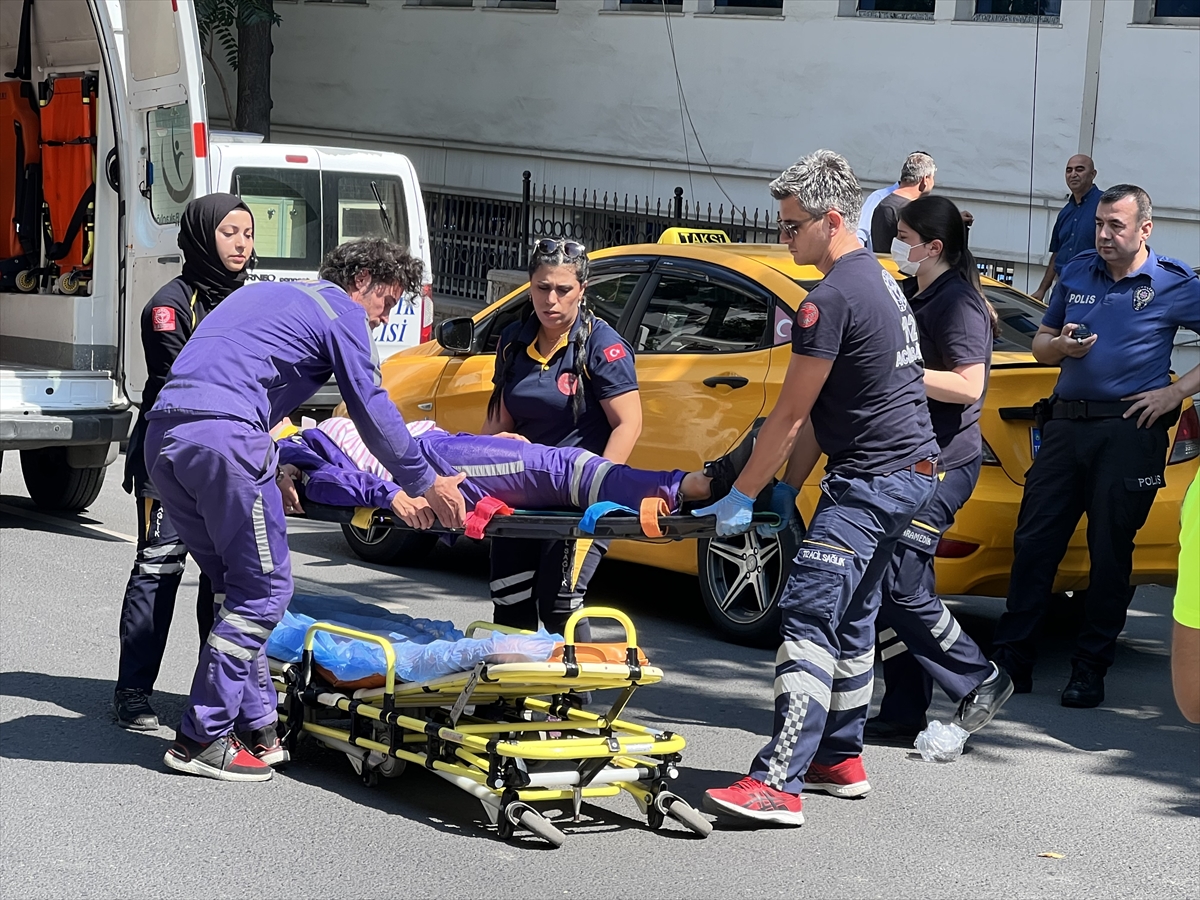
(264, 351)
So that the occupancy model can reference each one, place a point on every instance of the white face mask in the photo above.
(900, 252)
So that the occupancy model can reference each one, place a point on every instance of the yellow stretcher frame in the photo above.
(522, 742)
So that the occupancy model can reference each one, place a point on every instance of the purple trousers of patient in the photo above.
(216, 480)
(532, 476)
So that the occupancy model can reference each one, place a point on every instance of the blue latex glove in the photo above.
(733, 512)
(783, 504)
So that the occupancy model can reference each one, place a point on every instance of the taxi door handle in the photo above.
(733, 381)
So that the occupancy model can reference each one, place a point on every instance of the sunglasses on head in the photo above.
(570, 249)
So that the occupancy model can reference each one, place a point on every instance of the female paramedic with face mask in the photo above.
(566, 379)
(216, 235)
(919, 640)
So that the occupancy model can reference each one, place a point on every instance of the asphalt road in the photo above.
(88, 810)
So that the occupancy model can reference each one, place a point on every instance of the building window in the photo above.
(1043, 11)
(647, 5)
(1175, 12)
(523, 4)
(751, 7)
(888, 9)
(458, 4)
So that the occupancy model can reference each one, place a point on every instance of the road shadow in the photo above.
(24, 516)
(88, 733)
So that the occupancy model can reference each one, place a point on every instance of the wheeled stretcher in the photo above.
(511, 734)
(650, 523)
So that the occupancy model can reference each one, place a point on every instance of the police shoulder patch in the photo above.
(808, 314)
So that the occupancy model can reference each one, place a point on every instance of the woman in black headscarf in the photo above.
(216, 235)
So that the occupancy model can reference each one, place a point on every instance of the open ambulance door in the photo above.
(162, 149)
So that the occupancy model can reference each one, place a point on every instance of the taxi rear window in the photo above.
(1019, 316)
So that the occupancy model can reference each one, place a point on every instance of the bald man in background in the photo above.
(1075, 228)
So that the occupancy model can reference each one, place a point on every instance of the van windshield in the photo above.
(286, 204)
(358, 212)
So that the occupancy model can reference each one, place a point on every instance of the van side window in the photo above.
(172, 181)
(358, 212)
(286, 204)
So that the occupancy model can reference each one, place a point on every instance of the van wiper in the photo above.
(383, 214)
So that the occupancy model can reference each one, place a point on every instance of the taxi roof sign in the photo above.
(694, 236)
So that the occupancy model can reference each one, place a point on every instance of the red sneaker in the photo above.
(847, 779)
(224, 759)
(751, 799)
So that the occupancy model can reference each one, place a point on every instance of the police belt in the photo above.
(1089, 409)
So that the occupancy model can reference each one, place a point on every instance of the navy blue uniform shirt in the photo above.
(956, 330)
(870, 417)
(537, 394)
(1134, 320)
(1075, 228)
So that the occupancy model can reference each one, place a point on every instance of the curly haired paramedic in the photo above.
(260, 354)
(855, 374)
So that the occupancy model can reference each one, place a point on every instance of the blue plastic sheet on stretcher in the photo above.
(494, 711)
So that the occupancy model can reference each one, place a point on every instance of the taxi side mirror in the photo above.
(456, 335)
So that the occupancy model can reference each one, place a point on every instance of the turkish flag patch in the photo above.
(808, 315)
(163, 318)
(615, 352)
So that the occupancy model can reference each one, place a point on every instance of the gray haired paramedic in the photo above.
(854, 388)
(1104, 442)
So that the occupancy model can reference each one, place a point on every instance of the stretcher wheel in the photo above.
(655, 817)
(690, 817)
(536, 823)
(68, 283)
(27, 281)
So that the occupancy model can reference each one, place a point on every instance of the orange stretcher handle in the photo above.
(651, 509)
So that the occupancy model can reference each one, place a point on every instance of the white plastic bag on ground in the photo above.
(941, 743)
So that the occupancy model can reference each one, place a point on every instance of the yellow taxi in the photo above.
(710, 322)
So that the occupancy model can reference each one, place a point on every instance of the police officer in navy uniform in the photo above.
(853, 388)
(216, 235)
(1075, 228)
(1111, 327)
(563, 378)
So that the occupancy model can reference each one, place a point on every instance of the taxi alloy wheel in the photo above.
(389, 546)
(741, 578)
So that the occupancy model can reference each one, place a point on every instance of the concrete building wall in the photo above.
(585, 96)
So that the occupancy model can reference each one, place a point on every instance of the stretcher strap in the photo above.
(362, 517)
(592, 514)
(478, 518)
(652, 508)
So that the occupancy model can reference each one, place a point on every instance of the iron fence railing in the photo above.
(470, 236)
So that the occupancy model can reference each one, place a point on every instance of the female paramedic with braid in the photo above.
(566, 379)
(216, 235)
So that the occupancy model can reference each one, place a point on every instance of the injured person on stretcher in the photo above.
(336, 468)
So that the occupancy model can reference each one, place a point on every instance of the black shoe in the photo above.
(981, 705)
(1085, 690)
(881, 731)
(724, 470)
(133, 710)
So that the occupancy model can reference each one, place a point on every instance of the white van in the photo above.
(307, 200)
(71, 361)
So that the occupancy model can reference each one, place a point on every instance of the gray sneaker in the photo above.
(133, 710)
(981, 705)
(224, 759)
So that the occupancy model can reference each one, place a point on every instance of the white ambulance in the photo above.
(112, 180)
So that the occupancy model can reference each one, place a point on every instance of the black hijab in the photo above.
(202, 267)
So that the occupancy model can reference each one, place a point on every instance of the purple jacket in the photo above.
(269, 346)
